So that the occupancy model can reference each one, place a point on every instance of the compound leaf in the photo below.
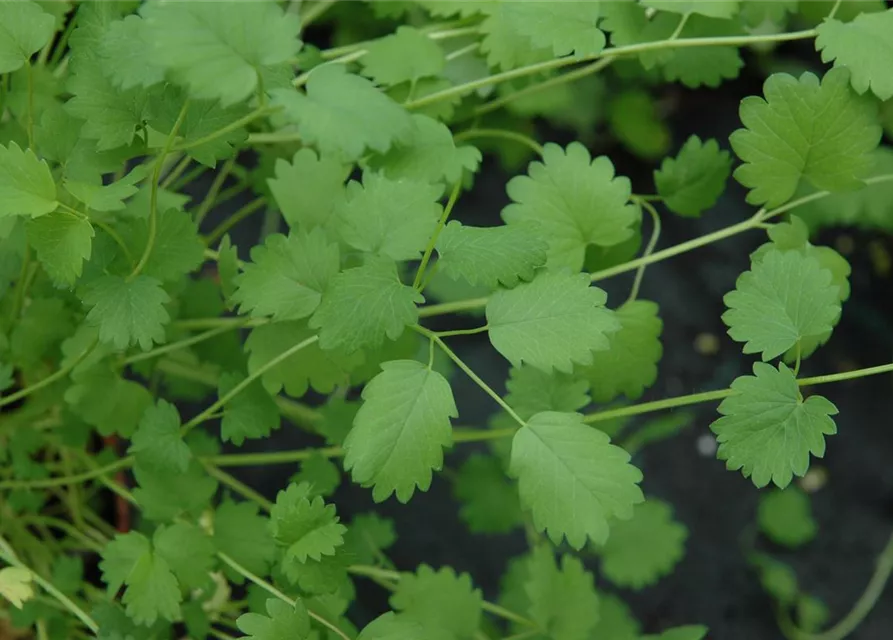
(440, 601)
(804, 130)
(554, 321)
(785, 297)
(26, 184)
(768, 430)
(127, 312)
(693, 181)
(571, 478)
(400, 431)
(575, 200)
(157, 443)
(404, 56)
(306, 526)
(865, 47)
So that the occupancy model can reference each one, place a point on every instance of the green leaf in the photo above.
(563, 600)
(15, 585)
(785, 298)
(615, 620)
(220, 50)
(702, 66)
(123, 49)
(320, 473)
(390, 626)
(309, 189)
(389, 218)
(62, 241)
(532, 390)
(157, 443)
(692, 182)
(227, 268)
(388, 306)
(489, 502)
(637, 124)
(440, 601)
(864, 47)
(106, 401)
(711, 8)
(165, 495)
(287, 275)
(489, 256)
(553, 322)
(768, 430)
(577, 201)
(188, 551)
(244, 535)
(565, 27)
(250, 414)
(804, 130)
(127, 312)
(178, 249)
(429, 154)
(26, 184)
(400, 431)
(152, 590)
(24, 30)
(687, 632)
(629, 365)
(311, 367)
(645, 548)
(282, 622)
(368, 536)
(571, 478)
(786, 517)
(404, 56)
(106, 197)
(344, 114)
(307, 527)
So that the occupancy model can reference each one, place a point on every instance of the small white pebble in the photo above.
(706, 445)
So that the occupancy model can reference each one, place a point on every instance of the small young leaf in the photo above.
(188, 551)
(309, 189)
(287, 275)
(786, 297)
(563, 601)
(489, 501)
(572, 479)
(106, 197)
(404, 56)
(26, 184)
(24, 30)
(390, 626)
(307, 527)
(644, 548)
(440, 601)
(864, 47)
(250, 414)
(388, 307)
(768, 430)
(532, 390)
(637, 124)
(244, 535)
(400, 431)
(344, 114)
(15, 584)
(390, 218)
(62, 241)
(577, 201)
(693, 181)
(553, 322)
(804, 130)
(368, 536)
(321, 474)
(127, 312)
(282, 622)
(785, 517)
(157, 443)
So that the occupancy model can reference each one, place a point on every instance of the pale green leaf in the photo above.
(553, 322)
(15, 585)
(309, 189)
(282, 622)
(803, 130)
(571, 478)
(123, 49)
(865, 47)
(768, 430)
(62, 241)
(440, 601)
(400, 431)
(786, 517)
(564, 26)
(531, 390)
(489, 502)
(629, 365)
(344, 114)
(644, 548)
(388, 307)
(127, 312)
(503, 44)
(562, 599)
(786, 297)
(109, 197)
(157, 443)
(404, 56)
(304, 525)
(693, 181)
(24, 30)
(701, 66)
(577, 202)
(26, 184)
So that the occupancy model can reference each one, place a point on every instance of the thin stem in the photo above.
(463, 332)
(269, 588)
(221, 402)
(68, 529)
(235, 219)
(273, 457)
(114, 235)
(275, 137)
(153, 195)
(682, 22)
(195, 324)
(182, 344)
(190, 177)
(176, 172)
(649, 249)
(444, 31)
(211, 197)
(50, 379)
(316, 10)
(452, 307)
(347, 58)
(514, 136)
(799, 356)
(232, 126)
(61, 481)
(237, 485)
(19, 296)
(447, 210)
(834, 9)
(458, 53)
(471, 374)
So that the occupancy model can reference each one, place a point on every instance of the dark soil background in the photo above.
(713, 585)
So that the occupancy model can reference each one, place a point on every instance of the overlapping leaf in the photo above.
(865, 47)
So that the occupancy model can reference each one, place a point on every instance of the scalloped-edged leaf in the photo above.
(865, 47)
(304, 525)
(26, 184)
(440, 601)
(404, 56)
(127, 312)
(24, 30)
(62, 242)
(532, 390)
(693, 181)
(563, 600)
(308, 189)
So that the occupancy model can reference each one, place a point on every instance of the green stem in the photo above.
(682, 22)
(649, 249)
(195, 324)
(114, 235)
(67, 529)
(232, 126)
(191, 176)
(176, 172)
(235, 219)
(834, 9)
(444, 31)
(315, 11)
(471, 374)
(62, 481)
(463, 332)
(19, 295)
(153, 195)
(447, 210)
(237, 485)
(514, 136)
(275, 137)
(182, 344)
(273, 457)
(50, 379)
(457, 306)
(211, 197)
(269, 588)
(29, 122)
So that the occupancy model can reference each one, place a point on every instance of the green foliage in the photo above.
(305, 526)
(446, 605)
(157, 443)
(692, 182)
(562, 598)
(126, 311)
(24, 29)
(26, 184)
(786, 517)
(854, 45)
